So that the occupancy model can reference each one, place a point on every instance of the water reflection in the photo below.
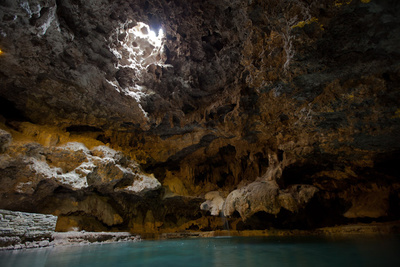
(217, 252)
(32, 257)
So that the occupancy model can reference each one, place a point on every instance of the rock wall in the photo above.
(25, 230)
(288, 109)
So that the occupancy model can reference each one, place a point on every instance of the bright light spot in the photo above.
(1, 51)
(136, 49)
(143, 31)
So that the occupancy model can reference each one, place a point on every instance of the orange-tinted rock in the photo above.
(289, 111)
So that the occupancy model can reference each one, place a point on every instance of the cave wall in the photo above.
(288, 109)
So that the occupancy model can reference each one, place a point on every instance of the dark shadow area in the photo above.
(82, 129)
(10, 112)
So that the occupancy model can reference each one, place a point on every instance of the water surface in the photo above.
(223, 251)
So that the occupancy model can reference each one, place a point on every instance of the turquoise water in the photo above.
(235, 251)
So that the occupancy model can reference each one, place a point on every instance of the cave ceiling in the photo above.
(226, 92)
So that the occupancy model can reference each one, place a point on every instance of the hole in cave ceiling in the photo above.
(136, 48)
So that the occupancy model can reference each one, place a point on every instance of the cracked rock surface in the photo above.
(288, 112)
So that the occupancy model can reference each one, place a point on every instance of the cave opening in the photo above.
(140, 56)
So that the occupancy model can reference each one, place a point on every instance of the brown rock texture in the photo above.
(287, 111)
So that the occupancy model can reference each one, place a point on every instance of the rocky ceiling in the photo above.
(281, 113)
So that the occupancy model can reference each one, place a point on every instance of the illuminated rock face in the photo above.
(274, 113)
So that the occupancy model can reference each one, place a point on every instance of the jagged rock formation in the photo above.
(266, 196)
(288, 109)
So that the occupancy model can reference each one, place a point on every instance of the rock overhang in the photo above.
(254, 89)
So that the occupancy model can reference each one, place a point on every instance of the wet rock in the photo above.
(214, 203)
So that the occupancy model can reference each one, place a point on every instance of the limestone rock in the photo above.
(266, 196)
(5, 140)
(370, 203)
(25, 230)
(304, 95)
(75, 165)
(214, 203)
